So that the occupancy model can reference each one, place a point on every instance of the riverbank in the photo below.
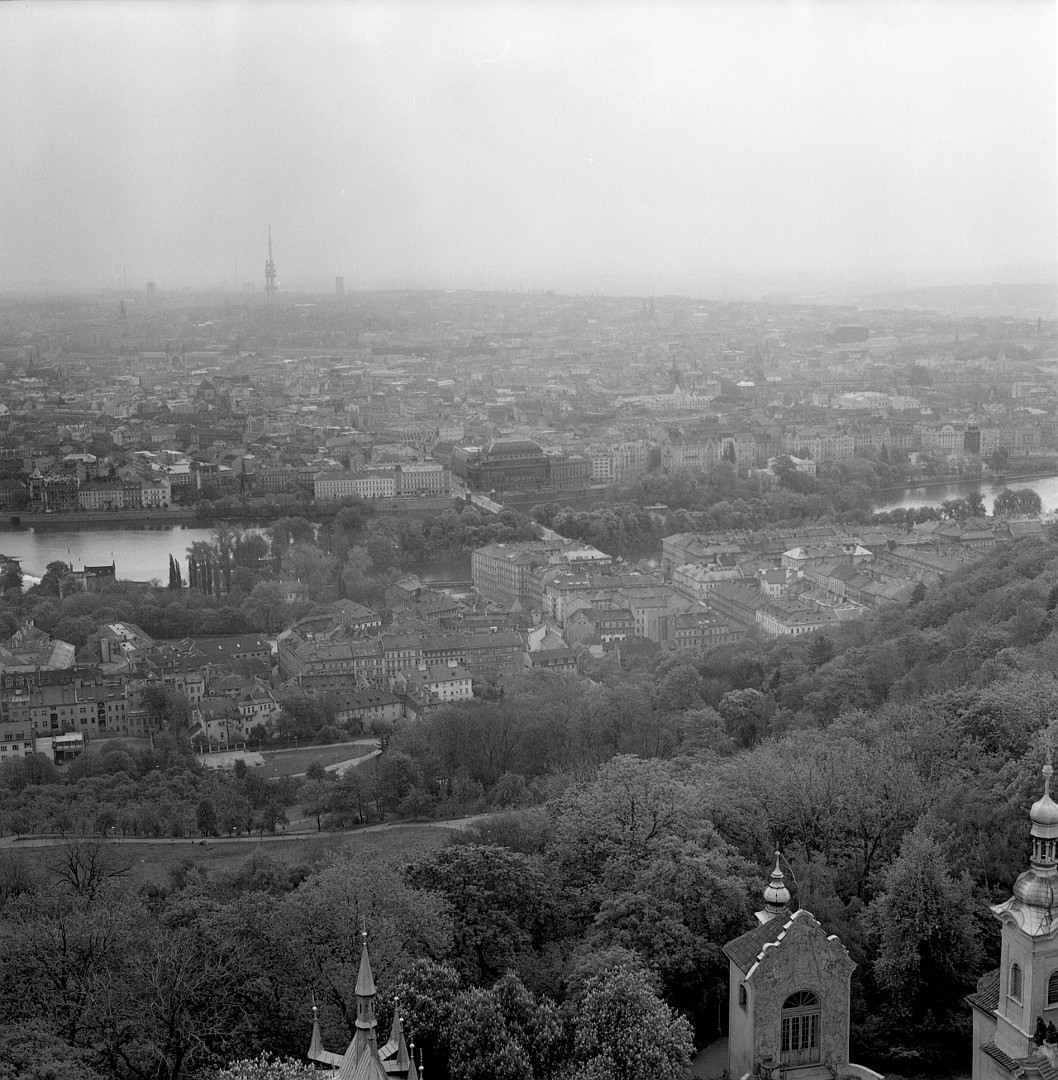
(992, 480)
(114, 519)
(936, 494)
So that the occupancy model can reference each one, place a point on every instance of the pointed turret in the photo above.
(365, 991)
(776, 895)
(401, 1055)
(316, 1042)
(363, 1059)
(316, 1052)
(395, 1054)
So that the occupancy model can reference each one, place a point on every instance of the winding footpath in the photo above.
(455, 824)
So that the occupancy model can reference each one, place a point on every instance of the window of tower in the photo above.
(742, 992)
(1052, 989)
(1014, 990)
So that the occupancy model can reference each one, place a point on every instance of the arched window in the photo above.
(799, 1041)
(1014, 990)
(1052, 989)
(742, 994)
(803, 999)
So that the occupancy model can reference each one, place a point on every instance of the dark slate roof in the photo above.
(986, 997)
(745, 949)
(1004, 1061)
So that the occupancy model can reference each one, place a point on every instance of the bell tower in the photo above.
(1028, 968)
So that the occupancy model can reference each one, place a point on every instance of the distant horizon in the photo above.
(621, 148)
(741, 290)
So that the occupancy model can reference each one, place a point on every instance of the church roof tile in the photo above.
(1004, 1061)
(746, 948)
(986, 997)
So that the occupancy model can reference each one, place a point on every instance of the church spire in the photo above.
(365, 991)
(399, 1051)
(1044, 817)
(776, 894)
(316, 1043)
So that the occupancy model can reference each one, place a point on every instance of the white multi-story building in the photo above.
(423, 479)
(445, 682)
(367, 485)
(156, 493)
(334, 485)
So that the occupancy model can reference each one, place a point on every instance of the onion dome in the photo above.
(776, 894)
(1045, 810)
(1033, 908)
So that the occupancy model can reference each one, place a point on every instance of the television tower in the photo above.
(270, 268)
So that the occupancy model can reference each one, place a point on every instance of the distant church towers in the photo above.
(270, 268)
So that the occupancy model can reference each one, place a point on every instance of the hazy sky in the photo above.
(633, 147)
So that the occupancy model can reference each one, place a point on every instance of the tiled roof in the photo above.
(1004, 1061)
(986, 996)
(746, 948)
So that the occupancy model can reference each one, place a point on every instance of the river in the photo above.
(142, 554)
(1046, 487)
(139, 554)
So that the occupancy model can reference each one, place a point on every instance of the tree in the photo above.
(267, 1067)
(545, 513)
(86, 866)
(502, 903)
(306, 940)
(11, 578)
(744, 713)
(288, 530)
(206, 817)
(820, 650)
(504, 1033)
(679, 689)
(427, 992)
(250, 550)
(167, 708)
(267, 606)
(623, 1030)
(306, 563)
(1024, 501)
(924, 920)
(1028, 501)
(52, 580)
(975, 503)
(678, 908)
(31, 1052)
(185, 993)
(315, 800)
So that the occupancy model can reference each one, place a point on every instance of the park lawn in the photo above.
(151, 862)
(295, 762)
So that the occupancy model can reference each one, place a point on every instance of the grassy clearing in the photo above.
(293, 762)
(152, 862)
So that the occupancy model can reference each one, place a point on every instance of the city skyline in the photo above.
(597, 148)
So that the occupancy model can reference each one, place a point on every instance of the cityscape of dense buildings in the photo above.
(418, 402)
(508, 420)
(151, 401)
